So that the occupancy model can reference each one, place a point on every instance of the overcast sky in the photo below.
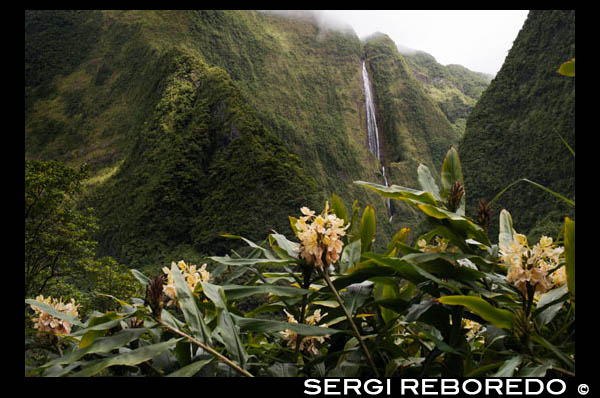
(477, 40)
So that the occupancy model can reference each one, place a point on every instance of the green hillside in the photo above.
(513, 131)
(454, 88)
(198, 123)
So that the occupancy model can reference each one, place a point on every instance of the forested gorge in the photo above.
(201, 200)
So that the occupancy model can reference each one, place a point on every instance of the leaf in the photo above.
(187, 303)
(427, 182)
(350, 256)
(367, 229)
(498, 317)
(569, 201)
(240, 262)
(386, 291)
(266, 252)
(399, 192)
(507, 232)
(91, 335)
(57, 314)
(569, 238)
(568, 68)
(458, 222)
(291, 248)
(234, 292)
(143, 279)
(398, 241)
(338, 208)
(130, 358)
(451, 173)
(100, 345)
(508, 368)
(191, 369)
(226, 326)
(549, 304)
(270, 326)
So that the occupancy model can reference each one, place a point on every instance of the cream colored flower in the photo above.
(320, 235)
(474, 328)
(47, 323)
(531, 266)
(308, 343)
(440, 246)
(191, 275)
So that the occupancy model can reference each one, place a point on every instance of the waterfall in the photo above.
(372, 132)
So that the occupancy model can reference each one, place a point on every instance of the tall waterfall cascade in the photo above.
(372, 131)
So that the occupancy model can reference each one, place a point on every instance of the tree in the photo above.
(57, 234)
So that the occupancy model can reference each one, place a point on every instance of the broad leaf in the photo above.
(270, 326)
(427, 182)
(130, 358)
(226, 326)
(367, 229)
(187, 303)
(498, 317)
(338, 208)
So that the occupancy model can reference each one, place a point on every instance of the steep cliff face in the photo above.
(413, 128)
(513, 131)
(198, 123)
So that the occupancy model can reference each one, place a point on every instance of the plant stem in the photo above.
(206, 347)
(356, 332)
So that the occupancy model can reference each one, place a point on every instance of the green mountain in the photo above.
(515, 129)
(454, 88)
(200, 123)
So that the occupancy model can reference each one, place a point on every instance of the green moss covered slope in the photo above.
(513, 131)
(198, 123)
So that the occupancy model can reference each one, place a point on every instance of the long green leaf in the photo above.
(270, 326)
(569, 237)
(338, 208)
(226, 326)
(350, 255)
(451, 173)
(238, 262)
(100, 345)
(498, 317)
(291, 248)
(130, 358)
(508, 368)
(191, 369)
(506, 233)
(460, 223)
(569, 201)
(427, 182)
(400, 192)
(367, 229)
(57, 314)
(187, 303)
(234, 292)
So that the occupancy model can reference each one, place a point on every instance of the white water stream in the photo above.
(372, 131)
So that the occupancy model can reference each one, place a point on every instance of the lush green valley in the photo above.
(202, 199)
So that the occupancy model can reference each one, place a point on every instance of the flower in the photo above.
(441, 246)
(474, 328)
(320, 236)
(308, 343)
(530, 266)
(48, 323)
(191, 275)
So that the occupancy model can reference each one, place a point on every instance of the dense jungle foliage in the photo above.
(210, 141)
(517, 129)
